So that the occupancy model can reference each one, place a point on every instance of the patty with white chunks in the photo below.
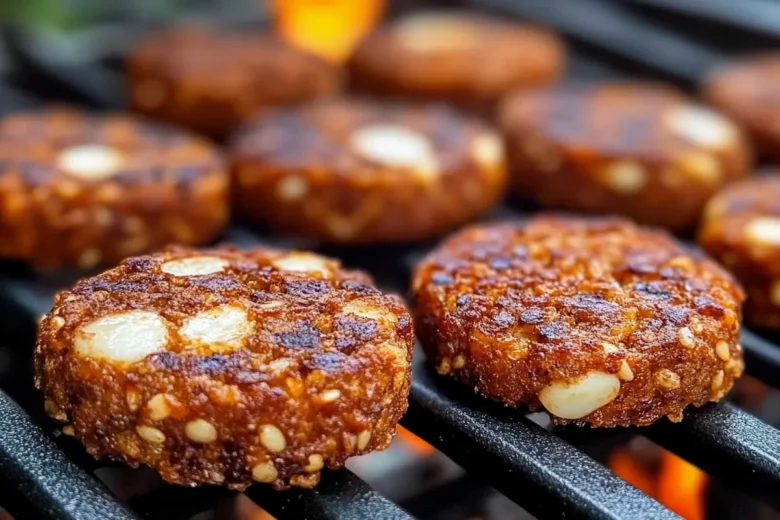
(640, 150)
(741, 229)
(360, 172)
(748, 91)
(465, 58)
(227, 367)
(598, 321)
(82, 189)
(212, 80)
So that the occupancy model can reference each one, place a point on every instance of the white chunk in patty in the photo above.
(763, 231)
(195, 266)
(436, 32)
(395, 146)
(302, 263)
(488, 150)
(576, 399)
(223, 326)
(90, 161)
(125, 338)
(626, 177)
(700, 125)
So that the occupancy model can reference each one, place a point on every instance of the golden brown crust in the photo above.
(300, 170)
(633, 149)
(741, 229)
(211, 81)
(471, 60)
(516, 308)
(166, 186)
(321, 371)
(747, 91)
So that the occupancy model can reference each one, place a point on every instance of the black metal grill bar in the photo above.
(756, 17)
(728, 442)
(762, 358)
(178, 503)
(340, 496)
(614, 29)
(543, 473)
(37, 479)
(91, 85)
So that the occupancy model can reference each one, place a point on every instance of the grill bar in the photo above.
(762, 358)
(619, 32)
(341, 495)
(37, 479)
(543, 473)
(749, 15)
(728, 442)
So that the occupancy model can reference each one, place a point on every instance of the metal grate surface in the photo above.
(50, 476)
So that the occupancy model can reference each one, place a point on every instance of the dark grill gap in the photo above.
(49, 476)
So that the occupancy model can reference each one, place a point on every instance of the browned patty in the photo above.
(227, 367)
(628, 148)
(211, 81)
(85, 189)
(749, 92)
(598, 321)
(361, 172)
(463, 58)
(741, 229)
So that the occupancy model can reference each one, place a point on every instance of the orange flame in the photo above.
(330, 28)
(414, 442)
(675, 483)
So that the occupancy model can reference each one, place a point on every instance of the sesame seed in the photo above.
(315, 463)
(444, 366)
(150, 434)
(459, 362)
(272, 438)
(200, 431)
(717, 380)
(666, 379)
(722, 351)
(264, 472)
(328, 396)
(68, 430)
(158, 408)
(363, 439)
(625, 373)
(687, 339)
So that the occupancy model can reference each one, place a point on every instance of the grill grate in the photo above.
(50, 476)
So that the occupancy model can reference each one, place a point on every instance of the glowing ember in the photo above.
(414, 442)
(675, 483)
(330, 28)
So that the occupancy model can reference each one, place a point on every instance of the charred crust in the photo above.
(621, 148)
(580, 296)
(489, 58)
(312, 368)
(164, 185)
(181, 75)
(301, 171)
(739, 229)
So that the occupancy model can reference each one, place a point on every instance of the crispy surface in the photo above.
(471, 60)
(170, 187)
(737, 231)
(628, 148)
(514, 308)
(749, 92)
(299, 170)
(324, 363)
(211, 80)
